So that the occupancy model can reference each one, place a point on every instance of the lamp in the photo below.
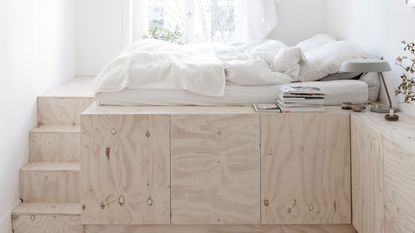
(368, 66)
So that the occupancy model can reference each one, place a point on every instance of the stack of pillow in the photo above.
(271, 62)
(324, 56)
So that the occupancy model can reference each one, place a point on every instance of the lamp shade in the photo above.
(365, 66)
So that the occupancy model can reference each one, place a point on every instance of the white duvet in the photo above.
(202, 69)
(152, 64)
(205, 69)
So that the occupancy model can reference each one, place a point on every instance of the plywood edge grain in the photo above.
(94, 109)
(222, 229)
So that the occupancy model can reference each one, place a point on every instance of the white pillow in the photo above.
(328, 59)
(316, 42)
(288, 61)
(373, 82)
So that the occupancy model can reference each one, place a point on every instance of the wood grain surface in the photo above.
(125, 169)
(61, 110)
(367, 178)
(54, 144)
(47, 224)
(48, 208)
(215, 169)
(223, 229)
(50, 182)
(305, 169)
(399, 188)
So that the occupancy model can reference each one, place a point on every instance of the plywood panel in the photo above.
(399, 189)
(50, 182)
(367, 178)
(305, 169)
(48, 208)
(47, 224)
(224, 229)
(61, 110)
(125, 169)
(52, 144)
(215, 169)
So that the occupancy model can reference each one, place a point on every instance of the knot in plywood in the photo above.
(108, 153)
(114, 131)
(149, 201)
(121, 200)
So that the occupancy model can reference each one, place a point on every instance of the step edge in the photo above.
(52, 129)
(63, 208)
(65, 97)
(52, 167)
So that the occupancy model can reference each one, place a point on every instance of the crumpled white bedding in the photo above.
(260, 63)
(201, 69)
(205, 69)
(153, 64)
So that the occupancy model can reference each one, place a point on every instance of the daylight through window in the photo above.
(186, 21)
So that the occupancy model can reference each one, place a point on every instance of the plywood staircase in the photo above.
(50, 182)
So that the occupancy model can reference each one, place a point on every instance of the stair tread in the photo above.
(44, 208)
(57, 129)
(76, 87)
(52, 166)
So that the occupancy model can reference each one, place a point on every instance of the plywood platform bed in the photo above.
(169, 169)
(152, 164)
(218, 169)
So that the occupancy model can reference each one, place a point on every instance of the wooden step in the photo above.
(50, 182)
(54, 144)
(64, 104)
(61, 110)
(47, 218)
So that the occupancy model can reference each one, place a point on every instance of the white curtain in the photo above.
(255, 19)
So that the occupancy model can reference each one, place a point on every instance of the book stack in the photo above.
(301, 99)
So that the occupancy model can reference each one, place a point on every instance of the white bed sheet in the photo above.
(336, 92)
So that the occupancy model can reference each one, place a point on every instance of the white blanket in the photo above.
(152, 64)
(260, 63)
(200, 68)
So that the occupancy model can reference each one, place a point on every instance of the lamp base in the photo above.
(392, 118)
(380, 108)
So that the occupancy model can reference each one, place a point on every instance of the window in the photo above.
(185, 21)
(188, 21)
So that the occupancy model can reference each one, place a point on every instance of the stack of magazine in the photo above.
(301, 99)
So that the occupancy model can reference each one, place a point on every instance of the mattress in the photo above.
(337, 92)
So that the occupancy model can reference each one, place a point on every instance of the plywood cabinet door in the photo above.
(305, 169)
(399, 188)
(125, 175)
(367, 177)
(215, 169)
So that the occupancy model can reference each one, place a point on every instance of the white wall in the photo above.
(299, 20)
(377, 25)
(36, 53)
(102, 32)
